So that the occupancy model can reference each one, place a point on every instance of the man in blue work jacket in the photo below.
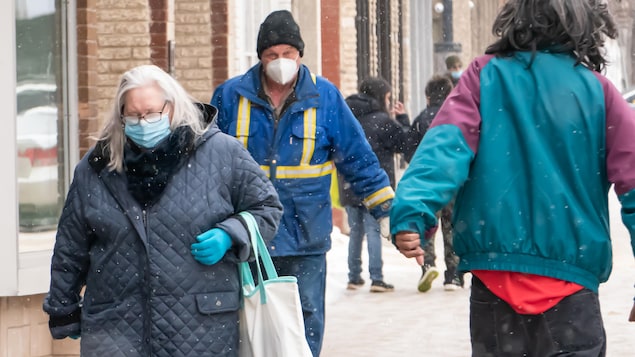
(298, 127)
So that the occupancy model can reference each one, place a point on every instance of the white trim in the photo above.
(421, 54)
(8, 152)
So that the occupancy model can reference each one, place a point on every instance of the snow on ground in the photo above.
(409, 323)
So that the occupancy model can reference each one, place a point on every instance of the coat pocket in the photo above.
(218, 302)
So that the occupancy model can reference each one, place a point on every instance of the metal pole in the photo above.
(448, 35)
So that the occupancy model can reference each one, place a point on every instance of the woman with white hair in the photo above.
(150, 229)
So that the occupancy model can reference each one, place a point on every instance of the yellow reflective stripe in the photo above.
(313, 77)
(309, 136)
(265, 168)
(302, 171)
(242, 125)
(379, 197)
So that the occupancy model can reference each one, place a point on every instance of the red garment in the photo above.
(527, 294)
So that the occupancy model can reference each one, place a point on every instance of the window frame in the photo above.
(27, 271)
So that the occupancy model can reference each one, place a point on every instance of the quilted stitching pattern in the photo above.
(141, 289)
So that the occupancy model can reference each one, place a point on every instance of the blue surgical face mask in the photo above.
(456, 74)
(148, 135)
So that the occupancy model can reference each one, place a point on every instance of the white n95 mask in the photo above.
(282, 70)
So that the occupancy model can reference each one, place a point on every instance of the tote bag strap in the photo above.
(260, 252)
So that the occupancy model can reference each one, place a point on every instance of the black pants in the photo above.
(573, 327)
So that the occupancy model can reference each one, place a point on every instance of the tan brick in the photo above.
(193, 51)
(105, 104)
(102, 67)
(188, 29)
(195, 40)
(123, 41)
(186, 62)
(120, 67)
(192, 18)
(348, 48)
(117, 15)
(109, 79)
(197, 85)
(203, 96)
(141, 53)
(123, 27)
(193, 6)
(118, 4)
(112, 53)
(195, 74)
(204, 63)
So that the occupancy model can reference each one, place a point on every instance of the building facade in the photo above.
(63, 60)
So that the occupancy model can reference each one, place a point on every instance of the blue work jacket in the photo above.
(315, 134)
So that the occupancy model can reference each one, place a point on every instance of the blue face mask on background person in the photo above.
(148, 135)
(456, 74)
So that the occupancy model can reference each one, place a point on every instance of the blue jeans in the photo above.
(310, 270)
(360, 223)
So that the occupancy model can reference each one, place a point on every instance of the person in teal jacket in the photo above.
(530, 142)
(298, 127)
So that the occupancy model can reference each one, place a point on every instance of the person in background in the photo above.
(437, 89)
(298, 127)
(529, 142)
(454, 67)
(150, 229)
(371, 106)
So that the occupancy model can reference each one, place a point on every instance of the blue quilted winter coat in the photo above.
(145, 295)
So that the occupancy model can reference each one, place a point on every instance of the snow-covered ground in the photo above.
(409, 323)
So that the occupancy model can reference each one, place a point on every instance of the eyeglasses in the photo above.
(151, 117)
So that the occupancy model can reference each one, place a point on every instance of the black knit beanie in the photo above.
(279, 28)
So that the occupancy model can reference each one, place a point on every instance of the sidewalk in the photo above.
(409, 323)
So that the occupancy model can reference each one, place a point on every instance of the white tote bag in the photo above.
(271, 322)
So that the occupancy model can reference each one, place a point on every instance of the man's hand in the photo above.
(409, 244)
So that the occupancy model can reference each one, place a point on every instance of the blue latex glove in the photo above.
(212, 246)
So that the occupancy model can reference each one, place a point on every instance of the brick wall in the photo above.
(220, 43)
(193, 47)
(123, 42)
(348, 47)
(114, 36)
(330, 25)
(87, 72)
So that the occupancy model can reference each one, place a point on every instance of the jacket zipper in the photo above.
(147, 325)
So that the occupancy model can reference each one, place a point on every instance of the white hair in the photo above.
(184, 110)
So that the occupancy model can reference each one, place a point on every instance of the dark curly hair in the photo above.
(575, 26)
(438, 88)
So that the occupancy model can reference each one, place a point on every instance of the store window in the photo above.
(41, 121)
(40, 83)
